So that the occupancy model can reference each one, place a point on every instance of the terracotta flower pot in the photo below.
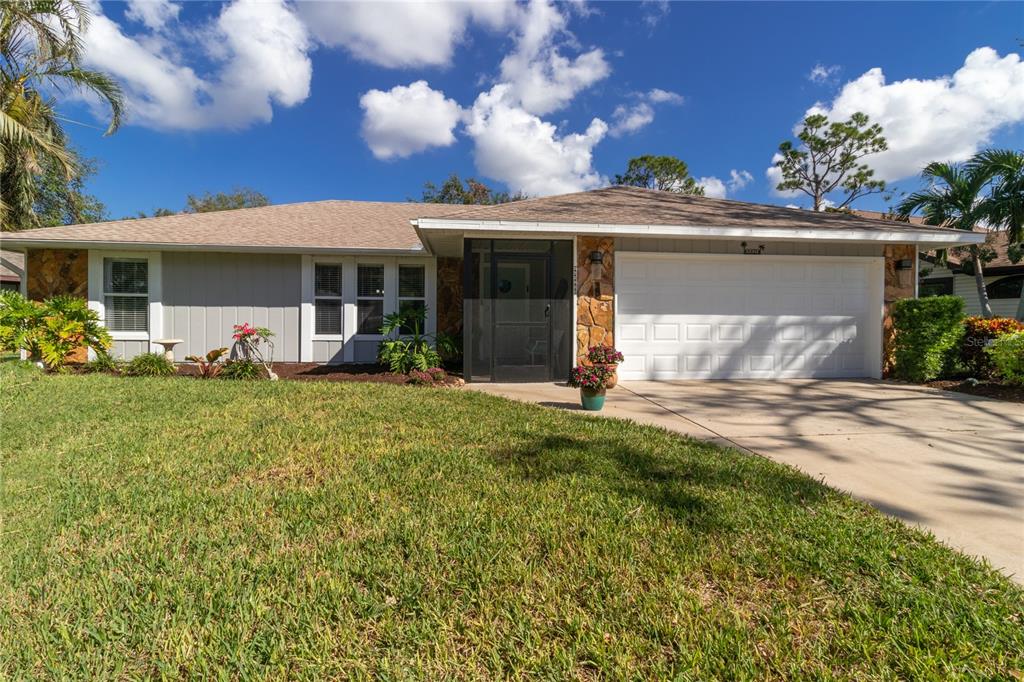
(613, 377)
(592, 398)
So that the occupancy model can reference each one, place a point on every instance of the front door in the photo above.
(522, 317)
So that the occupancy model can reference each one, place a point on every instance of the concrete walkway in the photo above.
(950, 462)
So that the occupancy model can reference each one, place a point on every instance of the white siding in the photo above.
(964, 287)
(126, 350)
(727, 246)
(204, 294)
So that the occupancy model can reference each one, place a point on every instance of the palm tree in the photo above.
(953, 199)
(41, 53)
(1005, 168)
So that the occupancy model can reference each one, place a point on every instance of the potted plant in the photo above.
(607, 357)
(592, 380)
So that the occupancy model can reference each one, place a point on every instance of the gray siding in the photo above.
(126, 350)
(329, 352)
(649, 244)
(965, 288)
(204, 294)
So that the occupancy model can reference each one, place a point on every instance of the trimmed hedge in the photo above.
(1007, 354)
(926, 330)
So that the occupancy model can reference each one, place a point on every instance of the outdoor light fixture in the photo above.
(596, 257)
(596, 270)
(905, 264)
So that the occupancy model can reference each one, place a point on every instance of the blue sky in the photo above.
(306, 102)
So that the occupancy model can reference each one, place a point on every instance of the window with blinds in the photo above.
(327, 298)
(370, 298)
(126, 295)
(412, 295)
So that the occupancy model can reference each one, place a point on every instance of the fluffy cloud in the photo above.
(401, 34)
(718, 189)
(258, 55)
(628, 119)
(527, 153)
(822, 74)
(541, 79)
(155, 14)
(942, 119)
(408, 119)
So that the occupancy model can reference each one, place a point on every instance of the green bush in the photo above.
(926, 330)
(406, 347)
(149, 365)
(246, 370)
(1007, 353)
(50, 331)
(103, 363)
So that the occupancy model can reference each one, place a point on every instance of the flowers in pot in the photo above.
(592, 380)
(607, 357)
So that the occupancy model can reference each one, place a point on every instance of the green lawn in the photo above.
(174, 527)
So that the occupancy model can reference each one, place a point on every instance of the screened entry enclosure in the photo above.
(517, 315)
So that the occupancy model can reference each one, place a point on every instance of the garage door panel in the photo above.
(722, 319)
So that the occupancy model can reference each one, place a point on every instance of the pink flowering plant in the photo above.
(590, 377)
(254, 344)
(604, 355)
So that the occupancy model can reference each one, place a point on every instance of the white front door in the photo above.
(702, 316)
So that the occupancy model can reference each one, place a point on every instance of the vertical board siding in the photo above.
(726, 246)
(205, 294)
(965, 288)
(329, 352)
(126, 350)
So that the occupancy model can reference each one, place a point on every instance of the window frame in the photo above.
(360, 335)
(401, 299)
(97, 286)
(1001, 280)
(946, 282)
(121, 294)
(340, 336)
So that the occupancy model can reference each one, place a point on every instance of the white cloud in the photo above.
(654, 11)
(257, 56)
(713, 187)
(739, 179)
(659, 96)
(631, 119)
(942, 119)
(528, 154)
(542, 79)
(823, 74)
(628, 119)
(408, 119)
(153, 13)
(401, 34)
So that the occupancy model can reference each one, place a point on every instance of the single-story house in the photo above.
(12, 267)
(686, 287)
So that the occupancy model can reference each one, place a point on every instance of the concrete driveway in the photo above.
(950, 462)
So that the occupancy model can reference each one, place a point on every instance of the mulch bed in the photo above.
(1013, 394)
(309, 371)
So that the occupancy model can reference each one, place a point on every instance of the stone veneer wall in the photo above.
(449, 295)
(55, 272)
(898, 284)
(595, 297)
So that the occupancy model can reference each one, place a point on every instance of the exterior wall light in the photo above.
(905, 264)
(596, 257)
(596, 271)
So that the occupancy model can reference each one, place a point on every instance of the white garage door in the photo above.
(689, 316)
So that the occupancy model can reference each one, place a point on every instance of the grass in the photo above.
(181, 528)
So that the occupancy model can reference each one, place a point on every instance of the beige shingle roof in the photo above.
(637, 206)
(356, 225)
(12, 265)
(319, 224)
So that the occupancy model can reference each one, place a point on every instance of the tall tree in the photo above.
(454, 191)
(953, 199)
(40, 54)
(828, 157)
(60, 201)
(1005, 203)
(665, 173)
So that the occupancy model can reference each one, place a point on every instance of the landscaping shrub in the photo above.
(207, 365)
(242, 369)
(406, 352)
(926, 329)
(103, 362)
(979, 332)
(1007, 356)
(434, 375)
(50, 331)
(149, 365)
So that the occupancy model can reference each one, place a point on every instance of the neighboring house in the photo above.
(12, 270)
(1004, 279)
(686, 287)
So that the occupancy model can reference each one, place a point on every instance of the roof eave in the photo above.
(16, 244)
(926, 238)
